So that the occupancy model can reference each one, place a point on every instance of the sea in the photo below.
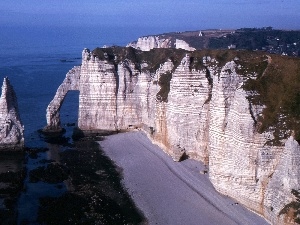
(36, 60)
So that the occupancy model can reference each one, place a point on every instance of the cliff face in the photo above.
(11, 128)
(198, 108)
(183, 45)
(151, 42)
(71, 82)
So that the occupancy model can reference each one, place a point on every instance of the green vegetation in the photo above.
(153, 58)
(222, 57)
(294, 206)
(164, 83)
(273, 41)
(277, 85)
(267, 39)
(274, 80)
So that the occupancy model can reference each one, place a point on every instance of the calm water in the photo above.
(31, 59)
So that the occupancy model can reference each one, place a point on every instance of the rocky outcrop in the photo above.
(181, 44)
(11, 127)
(151, 42)
(97, 109)
(203, 113)
(239, 158)
(71, 82)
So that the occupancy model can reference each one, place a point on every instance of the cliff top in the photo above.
(156, 56)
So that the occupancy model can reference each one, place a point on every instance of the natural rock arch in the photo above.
(70, 83)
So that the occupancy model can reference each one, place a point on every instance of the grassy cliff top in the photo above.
(277, 80)
(154, 58)
(279, 90)
(157, 56)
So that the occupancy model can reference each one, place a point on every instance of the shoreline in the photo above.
(169, 192)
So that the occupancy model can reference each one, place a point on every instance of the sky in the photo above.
(91, 23)
(164, 15)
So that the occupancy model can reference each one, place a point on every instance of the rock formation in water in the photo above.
(205, 105)
(71, 82)
(11, 127)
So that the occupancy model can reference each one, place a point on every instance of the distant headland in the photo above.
(272, 41)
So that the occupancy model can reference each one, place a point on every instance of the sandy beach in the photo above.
(169, 192)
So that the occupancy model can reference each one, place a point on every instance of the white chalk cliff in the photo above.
(151, 42)
(11, 127)
(181, 44)
(70, 83)
(206, 116)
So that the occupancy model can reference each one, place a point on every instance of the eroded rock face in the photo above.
(71, 82)
(11, 127)
(150, 42)
(283, 179)
(181, 44)
(240, 163)
(97, 110)
(187, 111)
(206, 116)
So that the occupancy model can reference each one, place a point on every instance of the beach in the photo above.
(169, 192)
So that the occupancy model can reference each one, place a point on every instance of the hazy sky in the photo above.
(170, 15)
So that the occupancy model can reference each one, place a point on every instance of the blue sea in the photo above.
(36, 60)
(31, 58)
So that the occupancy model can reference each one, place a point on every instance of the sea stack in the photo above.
(11, 127)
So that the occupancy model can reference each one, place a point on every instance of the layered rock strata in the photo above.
(206, 116)
(11, 127)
